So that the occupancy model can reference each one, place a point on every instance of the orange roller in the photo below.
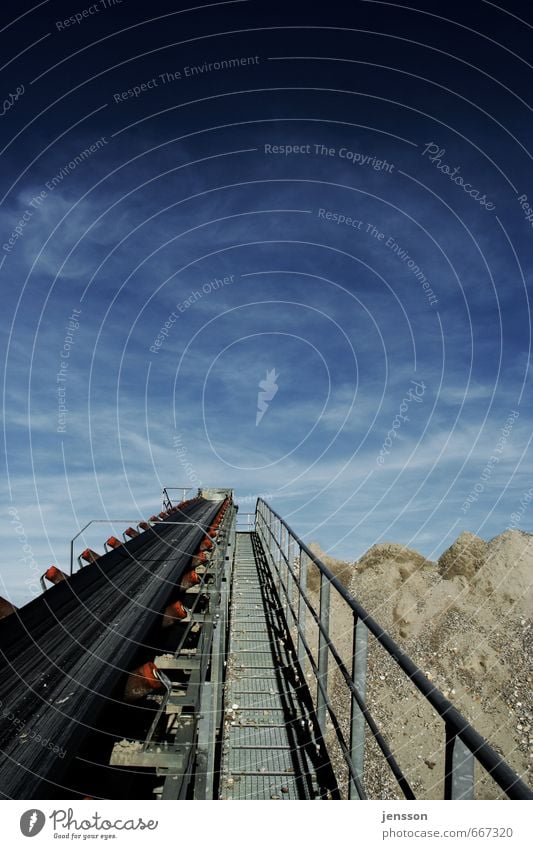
(173, 613)
(131, 532)
(141, 682)
(154, 518)
(206, 544)
(113, 542)
(189, 579)
(144, 526)
(200, 559)
(163, 515)
(89, 555)
(54, 575)
(6, 608)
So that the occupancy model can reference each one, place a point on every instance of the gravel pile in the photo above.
(467, 623)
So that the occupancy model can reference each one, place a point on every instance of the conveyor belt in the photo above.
(62, 654)
(269, 747)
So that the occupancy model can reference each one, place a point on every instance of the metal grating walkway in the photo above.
(268, 748)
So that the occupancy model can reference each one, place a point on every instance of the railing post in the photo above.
(323, 651)
(458, 768)
(280, 560)
(290, 581)
(272, 544)
(302, 586)
(357, 719)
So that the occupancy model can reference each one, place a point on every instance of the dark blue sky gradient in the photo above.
(180, 222)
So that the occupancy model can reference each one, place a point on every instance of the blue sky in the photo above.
(184, 214)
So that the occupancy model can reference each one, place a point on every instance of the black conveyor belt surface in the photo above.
(62, 653)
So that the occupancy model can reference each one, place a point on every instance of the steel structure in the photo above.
(182, 743)
(61, 654)
(272, 744)
(205, 645)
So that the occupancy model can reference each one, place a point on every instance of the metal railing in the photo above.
(289, 559)
(168, 502)
(245, 521)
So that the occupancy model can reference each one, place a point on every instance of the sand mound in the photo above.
(464, 621)
(342, 569)
(507, 574)
(389, 578)
(332, 563)
(465, 557)
(500, 571)
(391, 553)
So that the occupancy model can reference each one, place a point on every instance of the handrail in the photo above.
(456, 724)
(167, 501)
(244, 522)
(380, 740)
